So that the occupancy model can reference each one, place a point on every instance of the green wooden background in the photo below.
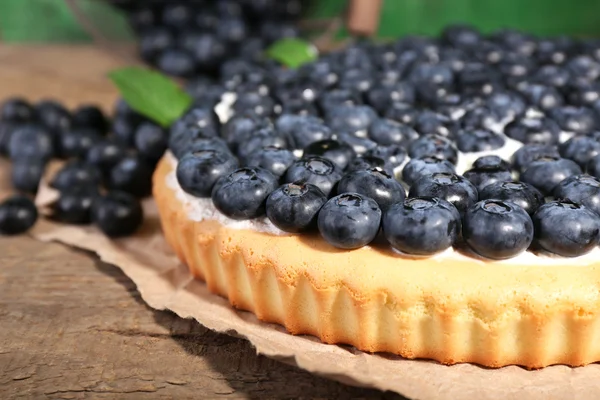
(53, 21)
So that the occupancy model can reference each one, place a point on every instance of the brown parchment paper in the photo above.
(166, 284)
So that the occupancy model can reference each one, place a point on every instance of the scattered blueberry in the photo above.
(105, 154)
(76, 142)
(421, 225)
(76, 174)
(198, 171)
(491, 161)
(261, 138)
(497, 229)
(89, 116)
(30, 141)
(133, 175)
(16, 110)
(349, 221)
(351, 118)
(117, 214)
(294, 207)
(17, 215)
(316, 170)
(53, 116)
(74, 206)
(402, 112)
(26, 174)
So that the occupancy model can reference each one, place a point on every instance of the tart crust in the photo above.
(449, 309)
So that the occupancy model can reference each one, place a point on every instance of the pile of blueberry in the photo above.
(363, 144)
(104, 175)
(191, 37)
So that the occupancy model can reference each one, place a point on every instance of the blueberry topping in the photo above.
(421, 225)
(402, 112)
(316, 170)
(393, 155)
(533, 130)
(133, 175)
(261, 138)
(431, 123)
(419, 167)
(497, 229)
(380, 96)
(472, 141)
(26, 174)
(351, 118)
(76, 174)
(520, 193)
(294, 207)
(433, 146)
(491, 162)
(17, 215)
(580, 149)
(368, 162)
(303, 130)
(574, 119)
(242, 194)
(240, 127)
(117, 214)
(339, 153)
(546, 172)
(582, 189)
(349, 221)
(486, 175)
(446, 186)
(528, 153)
(374, 183)
(566, 228)
(387, 132)
(198, 171)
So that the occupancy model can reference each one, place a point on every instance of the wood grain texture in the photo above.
(72, 327)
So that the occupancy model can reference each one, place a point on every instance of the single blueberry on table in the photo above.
(349, 221)
(17, 215)
(293, 207)
(76, 142)
(453, 188)
(533, 130)
(497, 229)
(315, 170)
(472, 141)
(90, 116)
(522, 194)
(421, 225)
(374, 183)
(387, 132)
(566, 228)
(242, 194)
(53, 115)
(74, 206)
(393, 155)
(486, 175)
(339, 153)
(16, 110)
(124, 126)
(580, 149)
(529, 152)
(26, 174)
(582, 189)
(419, 167)
(545, 173)
(150, 141)
(272, 158)
(133, 175)
(76, 174)
(198, 171)
(117, 214)
(491, 161)
(30, 141)
(434, 146)
(105, 154)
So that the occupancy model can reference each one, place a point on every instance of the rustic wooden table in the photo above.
(73, 327)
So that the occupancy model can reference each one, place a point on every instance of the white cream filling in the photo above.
(201, 209)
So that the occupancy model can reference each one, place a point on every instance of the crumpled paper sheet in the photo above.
(166, 284)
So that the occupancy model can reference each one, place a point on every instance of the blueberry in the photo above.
(584, 67)
(546, 172)
(349, 221)
(359, 144)
(520, 193)
(150, 141)
(351, 118)
(176, 62)
(582, 189)
(154, 41)
(105, 154)
(471, 141)
(341, 154)
(339, 97)
(381, 96)
(232, 30)
(124, 126)
(479, 118)
(74, 206)
(491, 162)
(461, 36)
(198, 171)
(543, 97)
(117, 214)
(201, 117)
(421, 225)
(387, 132)
(393, 155)
(402, 112)
(203, 89)
(16, 110)
(356, 79)
(242, 194)
(433, 146)
(584, 94)
(316, 170)
(132, 175)
(53, 116)
(30, 141)
(505, 104)
(580, 149)
(566, 228)
(427, 165)
(26, 174)
(425, 74)
(497, 229)
(533, 130)
(486, 175)
(90, 116)
(76, 174)
(182, 135)
(261, 138)
(294, 207)
(208, 50)
(446, 186)
(274, 159)
(430, 122)
(6, 131)
(76, 142)
(17, 215)
(553, 51)
(374, 183)
(176, 15)
(552, 75)
(368, 162)
(518, 42)
(574, 119)
(528, 153)
(254, 102)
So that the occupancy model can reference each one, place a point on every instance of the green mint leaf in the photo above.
(292, 52)
(151, 93)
